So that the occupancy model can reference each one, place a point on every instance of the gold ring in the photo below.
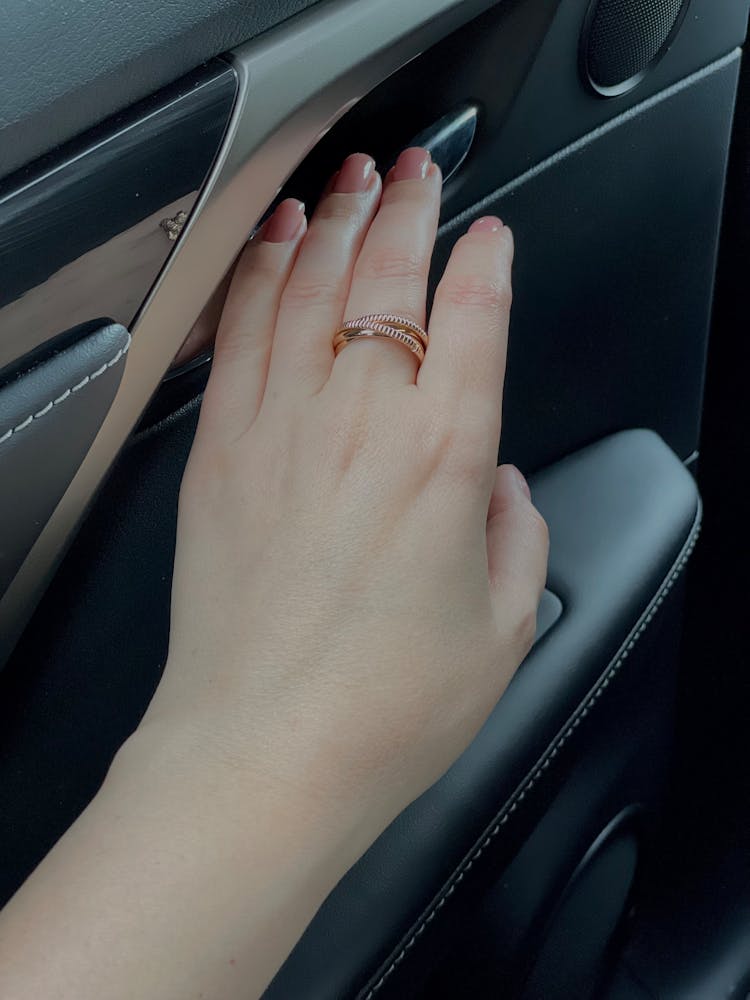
(391, 319)
(346, 334)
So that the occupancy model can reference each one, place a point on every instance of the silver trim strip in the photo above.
(294, 83)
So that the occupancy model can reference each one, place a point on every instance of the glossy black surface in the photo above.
(136, 167)
(450, 139)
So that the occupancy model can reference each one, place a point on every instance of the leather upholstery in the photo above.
(623, 516)
(49, 415)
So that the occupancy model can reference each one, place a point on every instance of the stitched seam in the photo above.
(537, 772)
(27, 422)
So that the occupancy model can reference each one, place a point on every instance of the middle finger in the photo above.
(313, 300)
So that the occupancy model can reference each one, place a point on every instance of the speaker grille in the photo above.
(626, 36)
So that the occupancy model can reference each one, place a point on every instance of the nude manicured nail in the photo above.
(412, 165)
(488, 224)
(286, 222)
(355, 175)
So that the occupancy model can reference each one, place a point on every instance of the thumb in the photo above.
(517, 552)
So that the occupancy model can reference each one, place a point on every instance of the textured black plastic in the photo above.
(67, 65)
(625, 37)
(616, 243)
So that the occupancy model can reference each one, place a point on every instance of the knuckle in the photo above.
(258, 268)
(408, 196)
(347, 440)
(465, 455)
(338, 208)
(459, 438)
(439, 442)
(478, 291)
(473, 437)
(311, 291)
(393, 262)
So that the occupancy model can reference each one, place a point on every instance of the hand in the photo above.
(355, 584)
(355, 581)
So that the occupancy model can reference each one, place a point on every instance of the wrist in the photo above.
(184, 781)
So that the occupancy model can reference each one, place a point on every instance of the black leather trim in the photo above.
(538, 771)
(49, 415)
(623, 518)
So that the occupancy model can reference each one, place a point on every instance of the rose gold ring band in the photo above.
(391, 319)
(348, 334)
(384, 325)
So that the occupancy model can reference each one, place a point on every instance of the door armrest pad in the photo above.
(623, 516)
(49, 415)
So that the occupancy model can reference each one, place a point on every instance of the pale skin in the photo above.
(355, 585)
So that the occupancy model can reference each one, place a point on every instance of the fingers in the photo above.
(312, 305)
(391, 272)
(469, 323)
(517, 553)
(245, 332)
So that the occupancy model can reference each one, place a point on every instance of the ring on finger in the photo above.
(358, 330)
(391, 319)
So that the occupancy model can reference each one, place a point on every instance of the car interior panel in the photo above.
(593, 841)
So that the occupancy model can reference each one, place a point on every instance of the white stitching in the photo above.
(60, 399)
(533, 777)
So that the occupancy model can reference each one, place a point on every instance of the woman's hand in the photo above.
(356, 582)
(355, 585)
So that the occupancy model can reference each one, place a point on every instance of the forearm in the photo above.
(172, 885)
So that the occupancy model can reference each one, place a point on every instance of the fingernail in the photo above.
(355, 175)
(412, 165)
(520, 481)
(487, 224)
(286, 221)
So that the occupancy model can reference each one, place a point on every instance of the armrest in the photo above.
(623, 517)
(50, 412)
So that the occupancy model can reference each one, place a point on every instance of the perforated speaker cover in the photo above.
(624, 38)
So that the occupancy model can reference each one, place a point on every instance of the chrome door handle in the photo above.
(450, 139)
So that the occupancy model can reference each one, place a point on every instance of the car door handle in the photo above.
(449, 140)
